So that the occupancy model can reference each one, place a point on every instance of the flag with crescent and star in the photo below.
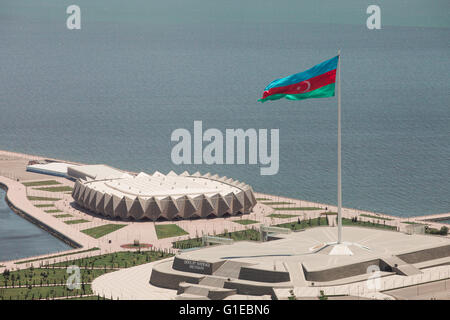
(317, 82)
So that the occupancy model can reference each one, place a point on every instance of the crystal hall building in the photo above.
(117, 194)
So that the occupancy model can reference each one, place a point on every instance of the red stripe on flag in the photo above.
(304, 86)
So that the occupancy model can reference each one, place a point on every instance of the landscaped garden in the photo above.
(282, 216)
(274, 203)
(55, 189)
(374, 217)
(57, 256)
(35, 198)
(76, 221)
(249, 235)
(40, 183)
(137, 246)
(245, 221)
(303, 224)
(44, 276)
(65, 215)
(50, 282)
(50, 292)
(45, 205)
(52, 211)
(122, 259)
(296, 208)
(369, 224)
(168, 231)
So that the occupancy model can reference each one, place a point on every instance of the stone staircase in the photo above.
(209, 287)
(230, 269)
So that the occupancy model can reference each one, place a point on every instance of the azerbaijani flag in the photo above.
(317, 82)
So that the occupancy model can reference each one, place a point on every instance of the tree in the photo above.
(443, 231)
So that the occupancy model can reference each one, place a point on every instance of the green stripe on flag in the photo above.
(322, 92)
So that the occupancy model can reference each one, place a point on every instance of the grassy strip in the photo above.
(243, 235)
(358, 223)
(58, 256)
(274, 203)
(53, 211)
(329, 213)
(245, 221)
(374, 217)
(45, 276)
(76, 221)
(34, 198)
(40, 183)
(262, 199)
(297, 208)
(300, 225)
(282, 216)
(122, 259)
(66, 215)
(55, 189)
(168, 231)
(88, 298)
(44, 205)
(98, 232)
(42, 292)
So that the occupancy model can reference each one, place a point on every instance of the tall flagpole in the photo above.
(339, 192)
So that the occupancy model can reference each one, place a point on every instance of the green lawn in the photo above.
(53, 211)
(41, 292)
(45, 276)
(41, 183)
(55, 189)
(274, 203)
(59, 255)
(374, 217)
(34, 198)
(349, 222)
(245, 221)
(66, 215)
(98, 232)
(262, 199)
(282, 216)
(46, 205)
(168, 231)
(308, 223)
(76, 221)
(297, 208)
(122, 259)
(248, 235)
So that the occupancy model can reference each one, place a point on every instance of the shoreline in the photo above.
(364, 211)
(24, 207)
(38, 223)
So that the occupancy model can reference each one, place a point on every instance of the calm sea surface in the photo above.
(114, 91)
